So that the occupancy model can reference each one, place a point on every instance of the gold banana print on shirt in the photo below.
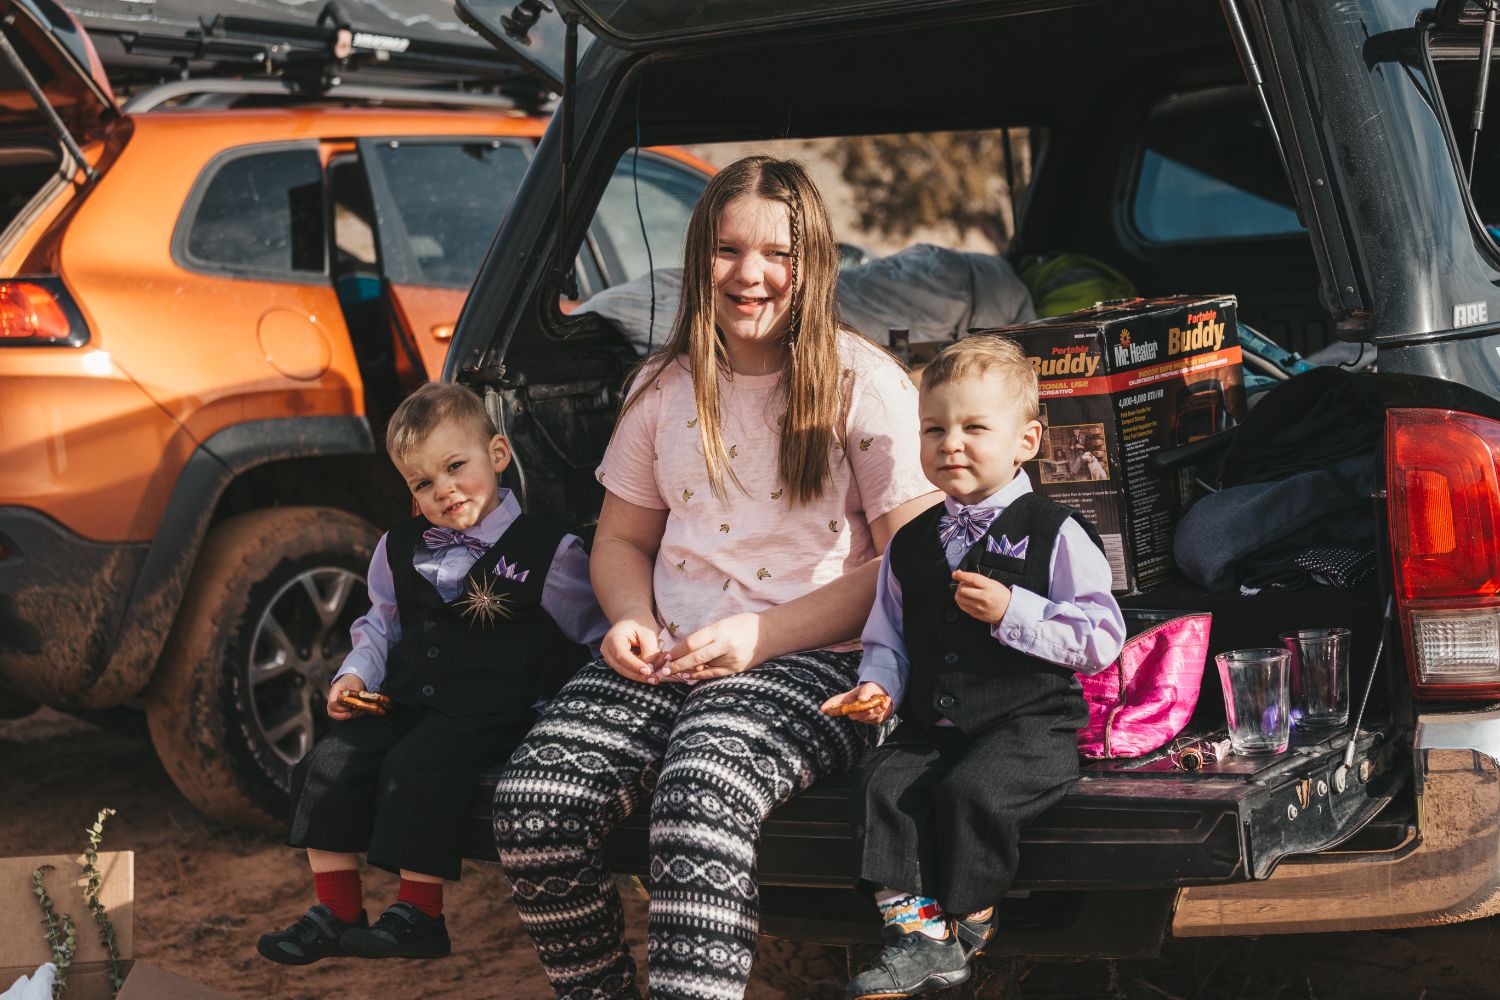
(762, 574)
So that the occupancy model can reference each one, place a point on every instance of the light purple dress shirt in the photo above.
(567, 596)
(1078, 625)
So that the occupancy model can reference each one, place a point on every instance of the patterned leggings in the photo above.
(718, 757)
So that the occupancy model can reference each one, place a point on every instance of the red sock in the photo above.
(341, 892)
(425, 896)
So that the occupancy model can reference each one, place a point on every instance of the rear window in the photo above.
(667, 194)
(1208, 170)
(260, 213)
(24, 170)
(1455, 56)
(450, 199)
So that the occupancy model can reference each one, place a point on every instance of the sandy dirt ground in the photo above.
(204, 893)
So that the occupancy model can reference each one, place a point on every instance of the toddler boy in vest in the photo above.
(471, 603)
(986, 606)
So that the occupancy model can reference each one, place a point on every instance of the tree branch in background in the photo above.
(904, 183)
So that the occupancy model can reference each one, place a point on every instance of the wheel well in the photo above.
(364, 485)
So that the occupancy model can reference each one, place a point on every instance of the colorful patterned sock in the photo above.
(425, 896)
(340, 891)
(911, 912)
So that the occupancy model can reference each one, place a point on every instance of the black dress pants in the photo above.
(940, 814)
(398, 786)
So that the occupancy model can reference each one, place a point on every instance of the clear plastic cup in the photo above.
(1320, 675)
(1257, 699)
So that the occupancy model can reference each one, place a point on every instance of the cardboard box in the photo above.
(148, 982)
(22, 947)
(1119, 383)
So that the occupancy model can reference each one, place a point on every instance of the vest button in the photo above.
(950, 615)
(428, 690)
(432, 652)
(950, 658)
(946, 702)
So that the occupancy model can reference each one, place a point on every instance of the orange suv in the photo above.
(207, 311)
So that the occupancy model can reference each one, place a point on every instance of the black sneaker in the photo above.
(314, 936)
(911, 964)
(403, 931)
(974, 935)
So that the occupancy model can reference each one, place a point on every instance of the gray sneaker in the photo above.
(911, 964)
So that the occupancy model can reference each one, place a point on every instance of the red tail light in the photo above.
(39, 312)
(1443, 478)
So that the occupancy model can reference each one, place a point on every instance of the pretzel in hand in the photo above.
(874, 708)
(851, 707)
(368, 702)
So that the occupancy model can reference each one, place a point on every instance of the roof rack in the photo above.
(224, 93)
(332, 58)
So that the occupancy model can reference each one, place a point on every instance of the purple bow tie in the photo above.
(438, 538)
(970, 524)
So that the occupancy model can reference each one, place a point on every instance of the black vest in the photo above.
(958, 669)
(460, 659)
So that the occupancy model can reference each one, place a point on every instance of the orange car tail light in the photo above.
(1443, 478)
(39, 312)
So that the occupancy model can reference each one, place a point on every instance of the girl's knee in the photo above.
(526, 815)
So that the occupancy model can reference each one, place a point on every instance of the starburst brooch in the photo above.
(482, 603)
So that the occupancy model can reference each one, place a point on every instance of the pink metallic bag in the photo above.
(1144, 698)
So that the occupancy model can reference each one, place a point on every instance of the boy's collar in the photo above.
(1003, 497)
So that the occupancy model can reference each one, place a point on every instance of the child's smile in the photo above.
(452, 475)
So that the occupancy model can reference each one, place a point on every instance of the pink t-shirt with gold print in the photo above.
(755, 548)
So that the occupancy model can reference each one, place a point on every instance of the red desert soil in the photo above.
(204, 893)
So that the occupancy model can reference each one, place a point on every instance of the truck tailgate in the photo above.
(1126, 824)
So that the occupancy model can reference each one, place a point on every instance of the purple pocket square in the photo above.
(511, 571)
(1006, 547)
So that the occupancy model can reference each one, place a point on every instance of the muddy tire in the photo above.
(799, 969)
(239, 694)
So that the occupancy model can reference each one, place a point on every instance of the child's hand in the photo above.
(980, 597)
(864, 692)
(630, 648)
(348, 682)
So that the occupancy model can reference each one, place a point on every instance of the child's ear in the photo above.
(1030, 443)
(499, 452)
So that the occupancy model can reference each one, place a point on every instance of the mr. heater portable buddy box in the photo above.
(1120, 382)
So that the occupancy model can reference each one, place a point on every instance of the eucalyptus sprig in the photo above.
(60, 934)
(95, 834)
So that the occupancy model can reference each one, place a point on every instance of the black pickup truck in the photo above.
(1313, 159)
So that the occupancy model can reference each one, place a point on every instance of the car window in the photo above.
(261, 212)
(668, 192)
(449, 199)
(1208, 170)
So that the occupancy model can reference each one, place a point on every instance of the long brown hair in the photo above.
(812, 381)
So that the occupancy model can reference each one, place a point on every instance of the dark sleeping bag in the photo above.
(1295, 483)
